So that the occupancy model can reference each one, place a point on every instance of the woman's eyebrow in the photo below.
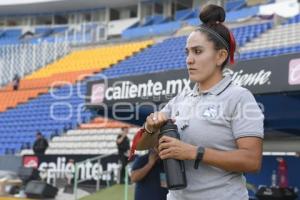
(194, 47)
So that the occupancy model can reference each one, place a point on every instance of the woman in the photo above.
(220, 124)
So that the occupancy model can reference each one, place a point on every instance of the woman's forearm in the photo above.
(246, 158)
(241, 160)
(139, 174)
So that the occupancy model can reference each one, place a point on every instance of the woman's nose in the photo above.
(189, 60)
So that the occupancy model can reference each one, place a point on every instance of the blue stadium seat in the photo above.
(186, 14)
(295, 19)
(151, 30)
(232, 5)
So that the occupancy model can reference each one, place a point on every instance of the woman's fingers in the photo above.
(166, 142)
(162, 118)
(163, 146)
(166, 153)
(166, 139)
(149, 120)
(155, 120)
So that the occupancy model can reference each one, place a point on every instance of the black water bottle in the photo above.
(174, 169)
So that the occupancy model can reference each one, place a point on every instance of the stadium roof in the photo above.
(19, 7)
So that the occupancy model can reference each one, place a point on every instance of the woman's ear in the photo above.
(221, 56)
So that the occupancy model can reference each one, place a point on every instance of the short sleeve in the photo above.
(139, 162)
(247, 119)
(167, 109)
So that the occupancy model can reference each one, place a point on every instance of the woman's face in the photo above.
(202, 58)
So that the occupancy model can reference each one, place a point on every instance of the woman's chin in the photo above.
(194, 78)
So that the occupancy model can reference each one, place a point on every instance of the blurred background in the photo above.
(63, 71)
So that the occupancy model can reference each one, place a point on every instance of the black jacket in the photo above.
(40, 146)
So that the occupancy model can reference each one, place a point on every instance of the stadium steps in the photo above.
(96, 137)
(87, 139)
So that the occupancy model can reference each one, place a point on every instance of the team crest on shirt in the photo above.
(211, 112)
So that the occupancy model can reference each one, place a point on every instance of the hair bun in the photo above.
(211, 14)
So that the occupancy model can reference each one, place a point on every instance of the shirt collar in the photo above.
(216, 89)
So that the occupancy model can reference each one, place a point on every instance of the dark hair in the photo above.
(212, 17)
(39, 133)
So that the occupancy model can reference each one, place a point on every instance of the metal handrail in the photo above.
(76, 181)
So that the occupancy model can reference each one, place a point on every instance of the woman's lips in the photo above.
(191, 69)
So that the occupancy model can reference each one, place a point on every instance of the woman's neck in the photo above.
(210, 82)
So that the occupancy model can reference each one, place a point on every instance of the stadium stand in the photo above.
(269, 52)
(74, 34)
(170, 49)
(10, 99)
(295, 19)
(166, 55)
(68, 70)
(165, 26)
(77, 34)
(49, 112)
(100, 122)
(169, 54)
(10, 36)
(90, 59)
(234, 5)
(163, 56)
(232, 16)
(97, 137)
(286, 35)
(23, 59)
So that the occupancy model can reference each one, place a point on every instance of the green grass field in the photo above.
(115, 192)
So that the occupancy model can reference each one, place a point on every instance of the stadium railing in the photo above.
(95, 159)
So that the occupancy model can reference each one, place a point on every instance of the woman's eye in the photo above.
(198, 51)
(186, 52)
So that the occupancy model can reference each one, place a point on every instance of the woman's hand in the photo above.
(155, 120)
(153, 157)
(173, 148)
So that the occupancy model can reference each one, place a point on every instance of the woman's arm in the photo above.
(139, 174)
(153, 123)
(247, 158)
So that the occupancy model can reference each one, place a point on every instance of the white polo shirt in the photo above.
(216, 119)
